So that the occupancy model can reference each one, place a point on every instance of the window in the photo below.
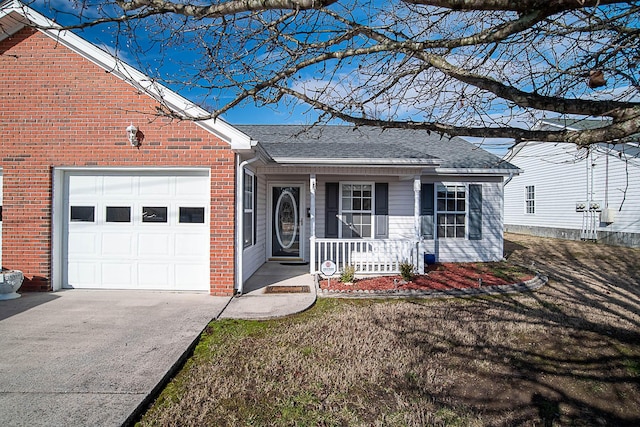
(191, 215)
(248, 232)
(530, 199)
(154, 214)
(118, 214)
(451, 211)
(82, 213)
(357, 205)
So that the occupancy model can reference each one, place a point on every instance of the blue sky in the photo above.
(155, 61)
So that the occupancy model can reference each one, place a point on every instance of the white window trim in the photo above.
(527, 200)
(371, 211)
(438, 212)
(251, 210)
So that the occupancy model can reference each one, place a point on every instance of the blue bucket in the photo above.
(429, 259)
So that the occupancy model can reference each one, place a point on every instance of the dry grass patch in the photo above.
(568, 354)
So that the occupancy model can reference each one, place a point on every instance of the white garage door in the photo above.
(137, 230)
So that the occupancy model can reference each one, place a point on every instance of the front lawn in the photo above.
(567, 354)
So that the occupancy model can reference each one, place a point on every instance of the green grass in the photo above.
(566, 354)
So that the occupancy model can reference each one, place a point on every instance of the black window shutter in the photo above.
(332, 204)
(382, 211)
(475, 212)
(426, 210)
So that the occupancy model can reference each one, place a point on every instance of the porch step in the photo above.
(276, 289)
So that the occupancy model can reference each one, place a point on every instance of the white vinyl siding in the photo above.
(490, 247)
(255, 256)
(561, 174)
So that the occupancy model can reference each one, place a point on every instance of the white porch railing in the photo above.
(368, 256)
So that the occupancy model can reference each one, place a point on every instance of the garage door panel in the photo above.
(152, 248)
(191, 186)
(84, 272)
(155, 244)
(190, 273)
(118, 186)
(82, 186)
(116, 274)
(82, 243)
(156, 186)
(155, 276)
(191, 245)
(120, 244)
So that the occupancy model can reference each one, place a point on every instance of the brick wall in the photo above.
(58, 109)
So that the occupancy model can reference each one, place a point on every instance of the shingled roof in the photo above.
(295, 144)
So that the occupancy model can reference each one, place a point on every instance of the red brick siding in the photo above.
(58, 109)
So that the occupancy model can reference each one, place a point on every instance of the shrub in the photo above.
(406, 271)
(348, 274)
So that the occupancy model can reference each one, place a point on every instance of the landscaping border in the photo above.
(528, 286)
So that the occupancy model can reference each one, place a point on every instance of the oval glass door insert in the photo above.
(286, 219)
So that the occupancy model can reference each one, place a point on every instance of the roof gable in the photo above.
(14, 16)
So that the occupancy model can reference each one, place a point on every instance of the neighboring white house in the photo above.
(575, 193)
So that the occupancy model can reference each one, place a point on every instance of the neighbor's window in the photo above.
(357, 210)
(530, 199)
(451, 211)
(249, 209)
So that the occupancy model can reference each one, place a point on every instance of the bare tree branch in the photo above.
(511, 5)
(230, 7)
(460, 67)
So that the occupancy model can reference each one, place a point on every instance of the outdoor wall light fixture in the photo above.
(134, 135)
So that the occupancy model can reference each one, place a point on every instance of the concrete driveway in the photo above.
(79, 358)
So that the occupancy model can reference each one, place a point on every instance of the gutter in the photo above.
(478, 171)
(511, 175)
(240, 222)
(351, 162)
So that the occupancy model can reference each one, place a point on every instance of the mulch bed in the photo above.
(441, 276)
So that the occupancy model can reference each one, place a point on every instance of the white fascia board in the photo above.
(353, 162)
(178, 104)
(478, 171)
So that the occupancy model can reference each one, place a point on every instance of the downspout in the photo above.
(240, 222)
(511, 175)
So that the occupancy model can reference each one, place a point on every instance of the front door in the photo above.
(286, 221)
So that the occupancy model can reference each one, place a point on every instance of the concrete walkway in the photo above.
(97, 358)
(256, 303)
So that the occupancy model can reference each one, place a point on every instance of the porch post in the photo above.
(312, 223)
(416, 206)
(417, 185)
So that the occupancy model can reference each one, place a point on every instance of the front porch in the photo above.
(367, 256)
(280, 274)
